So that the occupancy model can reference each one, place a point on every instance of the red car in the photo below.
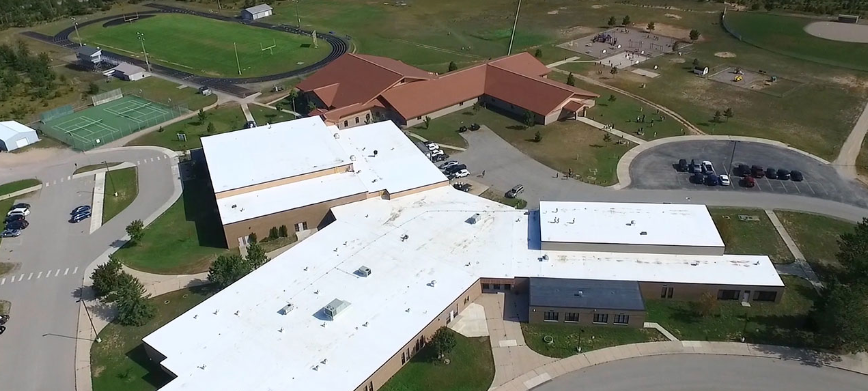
(749, 181)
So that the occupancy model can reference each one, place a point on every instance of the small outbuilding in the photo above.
(89, 56)
(14, 135)
(257, 12)
(700, 70)
(585, 302)
(129, 72)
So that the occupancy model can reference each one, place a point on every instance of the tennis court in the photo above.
(107, 122)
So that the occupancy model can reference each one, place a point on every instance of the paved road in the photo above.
(37, 349)
(706, 373)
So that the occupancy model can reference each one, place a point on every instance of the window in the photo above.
(601, 318)
(368, 117)
(466, 299)
(403, 358)
(571, 317)
(766, 296)
(507, 287)
(346, 124)
(357, 119)
(419, 118)
(302, 226)
(622, 319)
(461, 103)
(377, 114)
(495, 286)
(550, 316)
(371, 384)
(666, 292)
(727, 294)
(486, 285)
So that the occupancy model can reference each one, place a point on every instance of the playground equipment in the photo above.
(738, 71)
(738, 78)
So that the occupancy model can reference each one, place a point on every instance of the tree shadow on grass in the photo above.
(156, 376)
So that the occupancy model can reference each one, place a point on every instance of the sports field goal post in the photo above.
(106, 97)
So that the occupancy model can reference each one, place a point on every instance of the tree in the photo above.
(853, 254)
(694, 34)
(476, 106)
(571, 80)
(252, 238)
(92, 88)
(106, 277)
(716, 118)
(676, 46)
(443, 341)
(311, 106)
(427, 122)
(607, 137)
(650, 26)
(452, 66)
(136, 230)
(707, 304)
(612, 98)
(614, 71)
(256, 256)
(728, 113)
(755, 7)
(273, 233)
(626, 20)
(210, 128)
(537, 137)
(201, 115)
(537, 53)
(278, 106)
(293, 96)
(769, 6)
(134, 309)
(529, 118)
(839, 316)
(227, 269)
(283, 231)
(612, 21)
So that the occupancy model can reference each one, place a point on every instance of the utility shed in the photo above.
(257, 12)
(586, 302)
(14, 135)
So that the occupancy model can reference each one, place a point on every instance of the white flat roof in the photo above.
(290, 196)
(628, 223)
(267, 153)
(9, 129)
(239, 340)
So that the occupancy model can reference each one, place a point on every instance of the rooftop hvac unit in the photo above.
(475, 218)
(287, 308)
(335, 307)
(364, 271)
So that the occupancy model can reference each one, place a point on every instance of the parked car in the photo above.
(21, 205)
(249, 124)
(79, 217)
(10, 233)
(748, 181)
(771, 173)
(455, 168)
(439, 158)
(460, 174)
(682, 165)
(743, 170)
(783, 174)
(724, 180)
(757, 171)
(707, 167)
(515, 191)
(14, 218)
(465, 187)
(449, 164)
(462, 129)
(474, 126)
(796, 176)
(19, 224)
(694, 166)
(697, 178)
(19, 211)
(432, 146)
(712, 180)
(437, 152)
(80, 209)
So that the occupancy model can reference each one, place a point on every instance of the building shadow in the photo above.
(156, 376)
(200, 207)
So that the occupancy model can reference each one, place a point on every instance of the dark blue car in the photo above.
(80, 209)
(80, 216)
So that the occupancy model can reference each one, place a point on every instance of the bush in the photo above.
(452, 66)
(283, 232)
(537, 137)
(251, 238)
(538, 53)
(106, 277)
(273, 233)
(136, 230)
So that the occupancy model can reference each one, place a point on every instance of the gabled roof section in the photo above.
(522, 63)
(537, 94)
(87, 50)
(396, 66)
(258, 8)
(415, 99)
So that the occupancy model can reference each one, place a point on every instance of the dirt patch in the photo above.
(843, 32)
(673, 16)
(678, 61)
(850, 81)
(36, 155)
(552, 12)
(671, 31)
(577, 31)
(97, 370)
(598, 6)
(724, 54)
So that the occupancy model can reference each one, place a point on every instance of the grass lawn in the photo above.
(161, 91)
(444, 130)
(5, 306)
(567, 338)
(786, 35)
(11, 187)
(184, 240)
(498, 196)
(264, 115)
(94, 167)
(125, 183)
(750, 237)
(862, 159)
(785, 323)
(817, 237)
(471, 368)
(226, 118)
(205, 46)
(6, 267)
(270, 245)
(120, 362)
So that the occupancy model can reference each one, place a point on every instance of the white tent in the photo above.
(14, 135)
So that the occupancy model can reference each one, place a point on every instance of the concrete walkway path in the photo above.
(845, 163)
(615, 132)
(98, 201)
(658, 327)
(564, 61)
(246, 109)
(854, 363)
(21, 192)
(807, 272)
(270, 106)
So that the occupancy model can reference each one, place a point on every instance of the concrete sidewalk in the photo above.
(246, 110)
(616, 132)
(800, 262)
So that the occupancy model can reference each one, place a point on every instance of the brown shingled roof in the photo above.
(523, 63)
(412, 100)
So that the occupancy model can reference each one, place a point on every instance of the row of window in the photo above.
(726, 294)
(367, 118)
(573, 317)
(496, 287)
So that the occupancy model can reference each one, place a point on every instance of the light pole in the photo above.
(746, 306)
(74, 23)
(237, 61)
(298, 19)
(142, 40)
(514, 25)
(83, 303)
(732, 156)
(114, 189)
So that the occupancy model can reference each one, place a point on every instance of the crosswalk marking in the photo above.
(75, 271)
(30, 276)
(48, 274)
(47, 184)
(21, 277)
(66, 271)
(39, 275)
(2, 281)
(69, 177)
(58, 273)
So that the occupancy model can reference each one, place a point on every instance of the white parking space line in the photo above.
(61, 180)
(12, 279)
(47, 184)
(39, 275)
(152, 159)
(66, 271)
(137, 162)
(69, 178)
(75, 271)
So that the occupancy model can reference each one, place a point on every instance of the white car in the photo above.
(724, 180)
(449, 164)
(432, 146)
(461, 174)
(19, 211)
(707, 167)
(437, 152)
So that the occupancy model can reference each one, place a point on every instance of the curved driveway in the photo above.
(706, 373)
(38, 348)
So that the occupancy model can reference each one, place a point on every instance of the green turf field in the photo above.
(107, 122)
(786, 35)
(205, 46)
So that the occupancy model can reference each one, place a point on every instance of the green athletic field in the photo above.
(786, 35)
(107, 122)
(205, 46)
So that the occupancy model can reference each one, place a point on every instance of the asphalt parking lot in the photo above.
(656, 169)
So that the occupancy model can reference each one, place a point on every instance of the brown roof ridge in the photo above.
(556, 84)
(375, 64)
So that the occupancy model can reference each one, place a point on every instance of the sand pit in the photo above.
(835, 31)
(724, 54)
(673, 16)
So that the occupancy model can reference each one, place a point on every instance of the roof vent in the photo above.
(364, 271)
(287, 308)
(335, 307)
(475, 218)
(404, 237)
(365, 324)
(579, 294)
(643, 233)
(352, 158)
(315, 367)
(234, 206)
(376, 152)
(432, 283)
(632, 222)
(337, 136)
